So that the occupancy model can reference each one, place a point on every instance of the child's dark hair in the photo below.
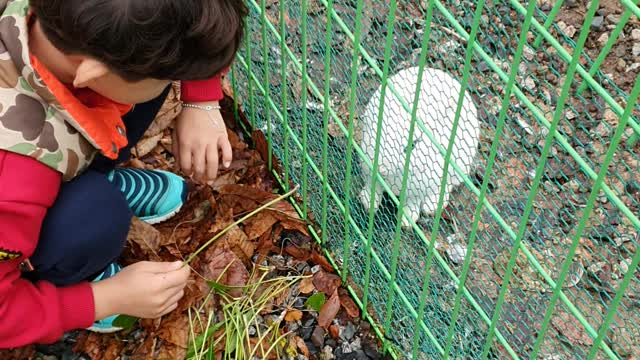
(161, 39)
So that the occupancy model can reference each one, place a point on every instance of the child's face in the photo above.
(116, 88)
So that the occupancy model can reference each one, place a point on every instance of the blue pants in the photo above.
(86, 229)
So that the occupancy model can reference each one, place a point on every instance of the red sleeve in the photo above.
(32, 313)
(202, 90)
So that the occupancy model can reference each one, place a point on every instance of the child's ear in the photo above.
(87, 71)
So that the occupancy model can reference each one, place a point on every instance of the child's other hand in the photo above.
(145, 289)
(199, 138)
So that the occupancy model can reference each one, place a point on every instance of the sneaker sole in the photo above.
(103, 330)
(165, 217)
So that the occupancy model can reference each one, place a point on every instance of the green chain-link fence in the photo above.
(528, 249)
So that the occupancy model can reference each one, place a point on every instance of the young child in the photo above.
(70, 71)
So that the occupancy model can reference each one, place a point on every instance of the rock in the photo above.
(457, 253)
(348, 332)
(614, 19)
(624, 266)
(568, 30)
(315, 269)
(327, 353)
(635, 34)
(317, 337)
(636, 49)
(603, 38)
(528, 53)
(610, 116)
(482, 66)
(597, 23)
(632, 67)
(370, 349)
(252, 331)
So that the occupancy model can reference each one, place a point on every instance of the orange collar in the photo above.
(98, 118)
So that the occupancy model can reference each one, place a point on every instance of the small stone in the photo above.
(610, 116)
(602, 130)
(317, 337)
(315, 269)
(357, 346)
(597, 22)
(252, 331)
(603, 38)
(624, 265)
(348, 332)
(636, 49)
(614, 19)
(568, 30)
(635, 34)
(528, 53)
(327, 353)
(361, 355)
(632, 67)
(457, 253)
(482, 66)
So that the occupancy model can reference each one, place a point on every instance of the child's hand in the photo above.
(198, 136)
(146, 290)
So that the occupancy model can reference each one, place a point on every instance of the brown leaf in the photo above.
(225, 179)
(334, 331)
(306, 285)
(259, 224)
(325, 282)
(217, 260)
(146, 237)
(175, 330)
(146, 145)
(329, 311)
(293, 315)
(91, 345)
(236, 240)
(18, 354)
(170, 109)
(113, 350)
(348, 304)
(170, 351)
(322, 261)
(302, 347)
(297, 253)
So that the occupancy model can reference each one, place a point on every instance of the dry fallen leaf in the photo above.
(322, 261)
(334, 331)
(175, 330)
(306, 285)
(214, 269)
(18, 354)
(302, 347)
(325, 282)
(293, 315)
(329, 311)
(146, 237)
(348, 304)
(259, 224)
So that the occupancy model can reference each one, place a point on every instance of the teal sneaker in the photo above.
(105, 326)
(153, 195)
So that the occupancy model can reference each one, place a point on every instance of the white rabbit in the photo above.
(439, 93)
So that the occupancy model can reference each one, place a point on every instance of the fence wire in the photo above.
(473, 167)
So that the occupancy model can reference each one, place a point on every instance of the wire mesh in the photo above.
(485, 203)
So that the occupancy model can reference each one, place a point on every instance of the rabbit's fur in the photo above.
(439, 95)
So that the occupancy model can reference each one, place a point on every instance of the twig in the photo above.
(243, 219)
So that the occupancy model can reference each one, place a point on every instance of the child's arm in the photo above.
(201, 135)
(40, 312)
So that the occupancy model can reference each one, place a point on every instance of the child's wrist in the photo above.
(105, 303)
